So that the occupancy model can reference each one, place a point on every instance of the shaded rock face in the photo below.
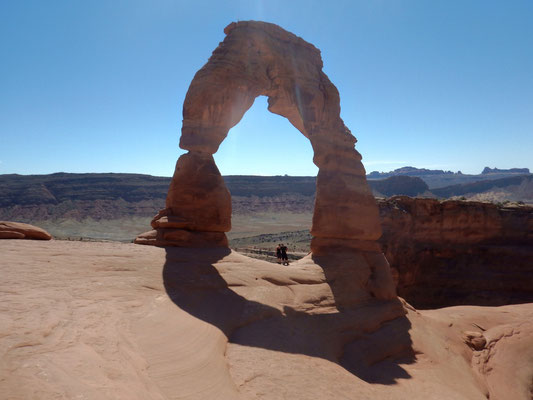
(18, 230)
(258, 58)
(400, 185)
(455, 252)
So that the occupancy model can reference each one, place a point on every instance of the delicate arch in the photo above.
(258, 58)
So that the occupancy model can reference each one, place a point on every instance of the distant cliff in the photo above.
(409, 171)
(453, 252)
(437, 178)
(60, 187)
(109, 196)
(483, 186)
(400, 185)
(488, 170)
(28, 198)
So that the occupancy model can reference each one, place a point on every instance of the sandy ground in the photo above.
(83, 320)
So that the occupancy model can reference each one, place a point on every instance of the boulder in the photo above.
(19, 230)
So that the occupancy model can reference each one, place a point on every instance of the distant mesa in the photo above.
(400, 185)
(410, 171)
(488, 170)
(437, 178)
(523, 185)
(105, 197)
(18, 230)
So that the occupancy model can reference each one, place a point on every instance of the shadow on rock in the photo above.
(370, 340)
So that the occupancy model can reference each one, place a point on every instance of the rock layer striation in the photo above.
(447, 253)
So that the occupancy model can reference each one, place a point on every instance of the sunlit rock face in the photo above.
(258, 58)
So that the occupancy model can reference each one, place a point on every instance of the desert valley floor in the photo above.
(100, 320)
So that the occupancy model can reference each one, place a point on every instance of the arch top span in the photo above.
(259, 58)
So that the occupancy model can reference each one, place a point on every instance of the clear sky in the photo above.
(98, 86)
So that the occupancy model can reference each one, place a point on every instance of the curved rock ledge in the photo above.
(19, 230)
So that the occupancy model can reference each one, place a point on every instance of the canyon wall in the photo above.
(446, 253)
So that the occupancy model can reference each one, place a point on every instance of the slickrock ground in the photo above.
(100, 321)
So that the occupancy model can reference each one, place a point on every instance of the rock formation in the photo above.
(488, 170)
(502, 359)
(18, 230)
(258, 58)
(449, 253)
(114, 321)
(399, 185)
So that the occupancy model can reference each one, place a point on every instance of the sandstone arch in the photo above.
(258, 58)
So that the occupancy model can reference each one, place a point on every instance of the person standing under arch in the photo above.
(284, 257)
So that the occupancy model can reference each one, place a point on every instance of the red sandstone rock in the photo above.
(502, 359)
(456, 252)
(18, 230)
(11, 235)
(214, 324)
(174, 237)
(258, 58)
(197, 199)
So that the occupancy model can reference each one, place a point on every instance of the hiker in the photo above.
(278, 253)
(284, 257)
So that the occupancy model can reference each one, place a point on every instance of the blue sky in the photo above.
(98, 86)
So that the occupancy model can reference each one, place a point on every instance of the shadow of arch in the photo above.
(371, 340)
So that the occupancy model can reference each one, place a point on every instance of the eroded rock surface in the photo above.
(217, 325)
(258, 58)
(19, 230)
(503, 360)
(455, 252)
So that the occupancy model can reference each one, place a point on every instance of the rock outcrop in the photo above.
(115, 321)
(258, 58)
(399, 185)
(502, 359)
(18, 230)
(488, 170)
(449, 253)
